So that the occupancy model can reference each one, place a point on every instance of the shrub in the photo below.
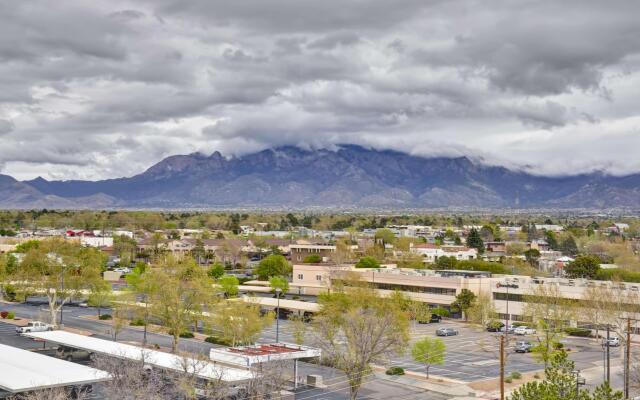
(186, 335)
(395, 371)
(312, 259)
(11, 315)
(4, 314)
(105, 317)
(580, 332)
(558, 346)
(536, 375)
(216, 340)
(516, 375)
(137, 322)
(517, 324)
(508, 379)
(10, 292)
(367, 262)
(443, 312)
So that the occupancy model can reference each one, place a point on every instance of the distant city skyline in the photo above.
(100, 90)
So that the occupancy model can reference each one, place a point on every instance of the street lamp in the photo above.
(278, 291)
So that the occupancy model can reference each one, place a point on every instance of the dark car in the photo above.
(494, 326)
(434, 319)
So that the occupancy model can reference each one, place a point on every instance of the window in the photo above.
(318, 277)
(300, 276)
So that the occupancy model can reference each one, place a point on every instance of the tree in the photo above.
(595, 306)
(298, 329)
(60, 270)
(279, 282)
(551, 312)
(356, 328)
(429, 351)
(273, 265)
(142, 288)
(184, 292)
(552, 240)
(228, 285)
(101, 295)
(560, 384)
(568, 246)
(474, 241)
(445, 262)
(583, 267)
(239, 322)
(368, 262)
(386, 235)
(482, 310)
(216, 271)
(464, 300)
(532, 256)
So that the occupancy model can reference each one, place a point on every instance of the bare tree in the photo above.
(357, 328)
(59, 393)
(132, 380)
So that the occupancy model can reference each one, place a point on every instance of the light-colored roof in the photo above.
(261, 353)
(24, 370)
(203, 369)
(288, 304)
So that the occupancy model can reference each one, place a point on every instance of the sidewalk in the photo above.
(458, 391)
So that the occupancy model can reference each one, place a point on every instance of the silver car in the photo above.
(446, 332)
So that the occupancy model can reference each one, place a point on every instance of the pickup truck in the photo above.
(34, 326)
(524, 330)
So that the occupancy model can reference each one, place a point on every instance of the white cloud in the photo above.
(99, 90)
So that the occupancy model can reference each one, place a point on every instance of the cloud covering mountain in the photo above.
(349, 177)
(91, 90)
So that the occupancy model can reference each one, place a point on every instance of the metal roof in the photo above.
(200, 368)
(24, 370)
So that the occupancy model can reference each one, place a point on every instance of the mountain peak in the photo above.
(345, 176)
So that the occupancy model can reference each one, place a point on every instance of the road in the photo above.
(336, 384)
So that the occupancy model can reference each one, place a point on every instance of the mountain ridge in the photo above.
(348, 177)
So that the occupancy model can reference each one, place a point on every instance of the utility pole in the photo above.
(627, 358)
(501, 367)
(608, 356)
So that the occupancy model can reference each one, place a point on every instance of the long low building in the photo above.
(439, 288)
(26, 371)
(202, 369)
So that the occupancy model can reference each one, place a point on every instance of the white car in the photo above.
(34, 326)
(123, 270)
(524, 330)
(614, 341)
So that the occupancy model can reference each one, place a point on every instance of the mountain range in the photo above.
(349, 177)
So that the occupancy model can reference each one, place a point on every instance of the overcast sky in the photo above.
(97, 89)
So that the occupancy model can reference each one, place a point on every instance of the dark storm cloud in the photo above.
(107, 89)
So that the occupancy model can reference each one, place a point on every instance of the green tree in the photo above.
(279, 282)
(568, 246)
(273, 265)
(445, 262)
(368, 262)
(583, 267)
(464, 300)
(216, 271)
(184, 292)
(386, 235)
(532, 256)
(229, 285)
(551, 238)
(238, 322)
(100, 295)
(59, 269)
(560, 384)
(429, 351)
(474, 241)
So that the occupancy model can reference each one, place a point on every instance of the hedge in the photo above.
(216, 340)
(395, 371)
(618, 274)
(105, 317)
(580, 332)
